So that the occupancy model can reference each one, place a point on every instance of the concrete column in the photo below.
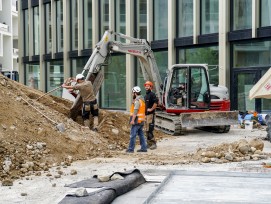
(95, 23)
(130, 60)
(21, 43)
(111, 15)
(171, 32)
(196, 20)
(42, 44)
(80, 13)
(224, 45)
(150, 20)
(255, 17)
(31, 36)
(66, 30)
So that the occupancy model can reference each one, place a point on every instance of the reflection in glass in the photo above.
(209, 16)
(204, 55)
(48, 29)
(120, 18)
(32, 74)
(245, 83)
(185, 18)
(54, 73)
(104, 18)
(78, 65)
(162, 62)
(141, 21)
(36, 29)
(74, 25)
(59, 25)
(252, 54)
(242, 14)
(113, 91)
(87, 9)
(265, 13)
(160, 19)
(26, 33)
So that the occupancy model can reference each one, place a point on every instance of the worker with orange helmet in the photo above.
(151, 102)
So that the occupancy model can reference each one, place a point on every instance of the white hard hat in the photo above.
(136, 89)
(79, 76)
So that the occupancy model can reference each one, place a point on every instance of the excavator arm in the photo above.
(139, 48)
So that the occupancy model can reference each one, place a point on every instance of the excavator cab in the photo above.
(187, 88)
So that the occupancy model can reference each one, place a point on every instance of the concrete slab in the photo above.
(213, 187)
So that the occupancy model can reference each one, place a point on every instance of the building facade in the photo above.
(233, 37)
(9, 52)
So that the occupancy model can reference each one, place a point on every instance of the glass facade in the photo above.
(162, 62)
(36, 30)
(78, 65)
(141, 19)
(104, 18)
(59, 26)
(74, 25)
(242, 14)
(265, 13)
(185, 18)
(209, 16)
(160, 20)
(113, 90)
(32, 74)
(251, 54)
(26, 32)
(54, 76)
(87, 9)
(204, 55)
(48, 29)
(120, 18)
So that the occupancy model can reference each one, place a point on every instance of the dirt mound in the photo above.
(29, 137)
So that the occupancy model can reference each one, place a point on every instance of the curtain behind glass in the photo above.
(36, 28)
(59, 26)
(87, 8)
(242, 18)
(209, 16)
(26, 33)
(160, 19)
(74, 25)
(265, 13)
(104, 18)
(185, 18)
(141, 21)
(48, 29)
(32, 73)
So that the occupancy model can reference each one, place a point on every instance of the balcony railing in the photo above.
(3, 27)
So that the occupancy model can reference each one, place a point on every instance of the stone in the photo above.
(7, 182)
(257, 143)
(115, 131)
(244, 149)
(116, 177)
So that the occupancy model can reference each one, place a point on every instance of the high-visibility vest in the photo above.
(141, 111)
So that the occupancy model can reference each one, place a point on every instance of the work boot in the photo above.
(153, 146)
(87, 123)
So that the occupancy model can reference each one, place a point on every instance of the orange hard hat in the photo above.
(148, 83)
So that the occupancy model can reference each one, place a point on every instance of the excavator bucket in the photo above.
(209, 118)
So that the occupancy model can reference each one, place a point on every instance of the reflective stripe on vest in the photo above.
(141, 111)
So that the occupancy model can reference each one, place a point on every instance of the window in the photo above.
(242, 14)
(36, 29)
(160, 19)
(54, 74)
(26, 32)
(252, 54)
(104, 18)
(265, 13)
(209, 16)
(113, 91)
(78, 65)
(120, 18)
(32, 74)
(87, 9)
(185, 18)
(203, 55)
(162, 62)
(59, 26)
(48, 29)
(74, 25)
(141, 19)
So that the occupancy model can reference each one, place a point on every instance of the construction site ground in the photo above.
(38, 158)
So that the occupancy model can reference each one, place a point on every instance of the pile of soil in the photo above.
(30, 140)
